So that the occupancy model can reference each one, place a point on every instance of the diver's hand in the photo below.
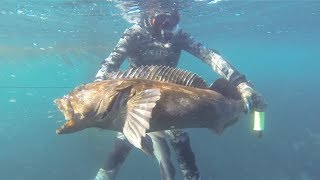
(101, 74)
(97, 80)
(252, 99)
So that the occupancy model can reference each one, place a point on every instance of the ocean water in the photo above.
(49, 47)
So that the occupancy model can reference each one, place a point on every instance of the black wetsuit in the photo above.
(141, 47)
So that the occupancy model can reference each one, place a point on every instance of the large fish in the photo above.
(148, 99)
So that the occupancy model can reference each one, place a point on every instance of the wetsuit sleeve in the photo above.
(118, 55)
(212, 58)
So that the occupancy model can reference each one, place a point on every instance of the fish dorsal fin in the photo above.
(139, 113)
(161, 73)
(225, 88)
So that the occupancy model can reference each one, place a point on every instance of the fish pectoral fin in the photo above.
(139, 113)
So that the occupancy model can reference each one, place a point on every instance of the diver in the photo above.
(157, 40)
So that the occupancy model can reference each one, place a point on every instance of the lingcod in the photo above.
(148, 99)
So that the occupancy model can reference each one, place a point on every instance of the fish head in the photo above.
(74, 121)
(84, 107)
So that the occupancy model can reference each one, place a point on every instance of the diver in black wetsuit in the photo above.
(156, 40)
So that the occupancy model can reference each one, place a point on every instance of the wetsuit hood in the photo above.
(161, 20)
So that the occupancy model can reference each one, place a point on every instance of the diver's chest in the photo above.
(156, 49)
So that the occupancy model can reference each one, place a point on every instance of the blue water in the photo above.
(49, 47)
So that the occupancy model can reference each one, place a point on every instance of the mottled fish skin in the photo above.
(86, 106)
(136, 106)
(105, 105)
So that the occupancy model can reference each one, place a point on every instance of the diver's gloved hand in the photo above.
(252, 99)
(97, 80)
(100, 75)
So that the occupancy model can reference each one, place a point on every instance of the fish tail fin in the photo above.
(225, 88)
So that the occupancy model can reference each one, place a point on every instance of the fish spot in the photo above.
(184, 101)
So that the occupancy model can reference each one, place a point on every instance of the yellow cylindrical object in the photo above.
(258, 124)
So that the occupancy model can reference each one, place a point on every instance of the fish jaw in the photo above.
(68, 127)
(71, 125)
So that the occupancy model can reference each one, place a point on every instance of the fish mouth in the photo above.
(70, 125)
(66, 128)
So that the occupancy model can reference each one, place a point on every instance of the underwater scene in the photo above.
(49, 47)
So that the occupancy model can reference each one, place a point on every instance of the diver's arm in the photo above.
(117, 56)
(212, 58)
(252, 99)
